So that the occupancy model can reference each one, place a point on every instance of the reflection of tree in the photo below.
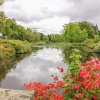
(85, 52)
(10, 63)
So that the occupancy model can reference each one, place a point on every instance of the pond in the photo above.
(37, 66)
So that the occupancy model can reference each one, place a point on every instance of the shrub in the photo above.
(75, 61)
(17, 45)
(1, 54)
(97, 47)
(47, 92)
(83, 86)
(89, 42)
(86, 85)
(97, 38)
(6, 51)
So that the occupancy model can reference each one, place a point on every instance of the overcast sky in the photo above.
(48, 16)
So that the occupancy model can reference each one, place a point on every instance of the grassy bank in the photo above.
(90, 43)
(13, 47)
(57, 44)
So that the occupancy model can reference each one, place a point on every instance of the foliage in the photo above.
(40, 43)
(86, 85)
(6, 51)
(75, 61)
(97, 38)
(84, 51)
(80, 82)
(97, 47)
(90, 28)
(47, 92)
(80, 31)
(89, 43)
(56, 38)
(73, 33)
(17, 45)
(11, 30)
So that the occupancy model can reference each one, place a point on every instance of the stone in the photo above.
(7, 94)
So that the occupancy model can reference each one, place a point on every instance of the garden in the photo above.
(80, 82)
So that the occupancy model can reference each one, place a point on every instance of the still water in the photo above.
(37, 66)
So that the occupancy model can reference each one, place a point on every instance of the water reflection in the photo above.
(84, 50)
(36, 67)
(8, 64)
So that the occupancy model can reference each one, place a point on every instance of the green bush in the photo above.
(1, 54)
(6, 51)
(97, 38)
(89, 42)
(97, 47)
(17, 45)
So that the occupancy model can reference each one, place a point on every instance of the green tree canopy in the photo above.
(90, 28)
(56, 38)
(73, 33)
(11, 30)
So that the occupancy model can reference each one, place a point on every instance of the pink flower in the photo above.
(86, 98)
(85, 83)
(58, 97)
(35, 98)
(79, 95)
(59, 84)
(97, 67)
(95, 97)
(55, 78)
(77, 86)
(84, 73)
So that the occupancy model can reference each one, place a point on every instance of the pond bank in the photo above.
(7, 94)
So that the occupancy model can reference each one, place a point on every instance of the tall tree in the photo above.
(73, 33)
(90, 28)
(56, 38)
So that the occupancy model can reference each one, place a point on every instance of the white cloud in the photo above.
(48, 16)
(48, 25)
(37, 13)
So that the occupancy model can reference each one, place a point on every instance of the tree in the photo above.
(11, 30)
(56, 38)
(90, 28)
(73, 33)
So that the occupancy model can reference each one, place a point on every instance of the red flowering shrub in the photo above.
(85, 85)
(47, 92)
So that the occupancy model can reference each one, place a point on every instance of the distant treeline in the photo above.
(11, 30)
(72, 32)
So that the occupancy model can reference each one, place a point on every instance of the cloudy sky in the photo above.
(48, 16)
